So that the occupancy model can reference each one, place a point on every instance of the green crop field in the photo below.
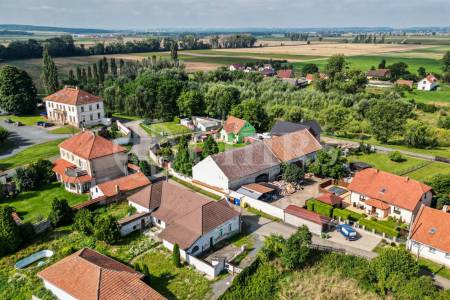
(364, 63)
(212, 52)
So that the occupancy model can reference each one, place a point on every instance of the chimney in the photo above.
(117, 189)
(445, 208)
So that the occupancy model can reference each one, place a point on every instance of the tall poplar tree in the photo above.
(113, 67)
(49, 74)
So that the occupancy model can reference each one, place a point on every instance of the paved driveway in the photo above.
(141, 140)
(310, 190)
(23, 137)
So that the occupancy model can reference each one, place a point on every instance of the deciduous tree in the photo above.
(17, 91)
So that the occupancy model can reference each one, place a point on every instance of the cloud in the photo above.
(145, 14)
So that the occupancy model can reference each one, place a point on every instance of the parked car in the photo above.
(348, 232)
(18, 123)
(9, 121)
(44, 124)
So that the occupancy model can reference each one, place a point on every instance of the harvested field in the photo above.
(328, 49)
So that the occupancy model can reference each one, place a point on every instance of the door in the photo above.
(211, 242)
(142, 224)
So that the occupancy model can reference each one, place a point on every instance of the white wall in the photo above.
(85, 111)
(221, 232)
(298, 222)
(438, 256)
(139, 208)
(59, 293)
(96, 192)
(208, 172)
(260, 205)
(200, 265)
(272, 172)
(134, 226)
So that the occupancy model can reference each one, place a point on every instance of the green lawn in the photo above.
(364, 63)
(441, 95)
(118, 210)
(382, 162)
(257, 55)
(21, 284)
(439, 151)
(172, 282)
(34, 205)
(126, 117)
(31, 154)
(426, 173)
(435, 268)
(65, 130)
(26, 120)
(165, 129)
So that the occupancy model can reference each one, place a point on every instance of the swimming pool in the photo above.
(25, 262)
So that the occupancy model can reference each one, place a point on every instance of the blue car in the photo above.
(348, 232)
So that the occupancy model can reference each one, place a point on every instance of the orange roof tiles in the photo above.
(432, 227)
(60, 166)
(233, 125)
(258, 187)
(329, 198)
(392, 189)
(88, 145)
(125, 184)
(73, 96)
(377, 204)
(293, 145)
(89, 275)
(306, 214)
(285, 73)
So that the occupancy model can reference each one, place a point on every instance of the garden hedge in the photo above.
(379, 228)
(319, 207)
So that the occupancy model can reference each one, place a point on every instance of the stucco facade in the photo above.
(85, 115)
(428, 252)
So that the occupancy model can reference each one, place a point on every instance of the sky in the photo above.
(150, 14)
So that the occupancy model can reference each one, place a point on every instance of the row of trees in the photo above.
(369, 39)
(232, 41)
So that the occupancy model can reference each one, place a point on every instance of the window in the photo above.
(195, 249)
(431, 250)
(98, 116)
(90, 107)
(396, 210)
(91, 117)
(98, 105)
(361, 198)
(229, 227)
(82, 109)
(134, 227)
(447, 255)
(221, 232)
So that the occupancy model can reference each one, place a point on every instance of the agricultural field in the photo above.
(36, 205)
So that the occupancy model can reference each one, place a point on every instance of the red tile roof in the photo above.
(233, 125)
(73, 96)
(330, 198)
(377, 204)
(89, 275)
(187, 215)
(285, 73)
(432, 227)
(293, 145)
(379, 73)
(408, 83)
(88, 145)
(125, 184)
(431, 78)
(392, 189)
(60, 166)
(306, 214)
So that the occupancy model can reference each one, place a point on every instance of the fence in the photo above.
(260, 205)
(212, 270)
(126, 139)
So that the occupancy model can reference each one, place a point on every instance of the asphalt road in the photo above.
(22, 137)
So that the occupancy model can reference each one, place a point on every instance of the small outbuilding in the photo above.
(298, 216)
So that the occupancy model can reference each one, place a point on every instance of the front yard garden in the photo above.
(165, 129)
(31, 154)
(35, 205)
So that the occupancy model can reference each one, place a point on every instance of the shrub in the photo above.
(34, 176)
(4, 134)
(10, 237)
(293, 173)
(106, 229)
(61, 213)
(296, 250)
(396, 156)
(84, 221)
(66, 251)
(176, 256)
(379, 228)
(342, 213)
(320, 208)
(145, 167)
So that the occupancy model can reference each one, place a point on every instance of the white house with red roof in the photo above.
(429, 236)
(87, 159)
(75, 107)
(382, 194)
(429, 83)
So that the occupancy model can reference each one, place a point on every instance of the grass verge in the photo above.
(31, 154)
(28, 120)
(64, 130)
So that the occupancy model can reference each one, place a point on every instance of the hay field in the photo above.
(328, 49)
